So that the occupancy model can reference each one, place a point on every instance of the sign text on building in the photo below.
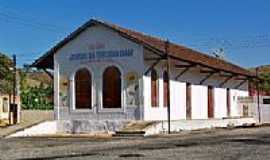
(96, 55)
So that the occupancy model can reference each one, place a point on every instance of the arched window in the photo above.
(83, 89)
(154, 88)
(111, 88)
(165, 88)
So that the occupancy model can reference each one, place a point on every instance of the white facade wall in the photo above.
(151, 113)
(199, 103)
(199, 96)
(220, 102)
(177, 99)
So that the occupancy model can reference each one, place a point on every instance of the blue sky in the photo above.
(242, 27)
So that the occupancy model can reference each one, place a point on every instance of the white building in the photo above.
(105, 72)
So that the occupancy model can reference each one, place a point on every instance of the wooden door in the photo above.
(165, 89)
(228, 102)
(210, 102)
(112, 88)
(83, 85)
(154, 89)
(188, 101)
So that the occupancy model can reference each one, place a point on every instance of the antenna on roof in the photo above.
(219, 53)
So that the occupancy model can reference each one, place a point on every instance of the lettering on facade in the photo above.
(100, 55)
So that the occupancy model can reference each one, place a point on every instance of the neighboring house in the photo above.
(263, 107)
(5, 108)
(106, 72)
(264, 94)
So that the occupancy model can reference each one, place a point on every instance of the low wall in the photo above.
(253, 111)
(36, 115)
(89, 126)
(265, 113)
(186, 125)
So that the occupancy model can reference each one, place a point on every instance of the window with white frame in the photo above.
(83, 89)
(111, 89)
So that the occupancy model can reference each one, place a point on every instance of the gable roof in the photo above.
(175, 51)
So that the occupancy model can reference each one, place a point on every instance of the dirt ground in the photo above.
(219, 144)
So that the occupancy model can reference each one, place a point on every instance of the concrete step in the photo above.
(137, 125)
(129, 134)
(133, 129)
(3, 123)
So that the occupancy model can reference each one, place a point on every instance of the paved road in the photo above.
(236, 144)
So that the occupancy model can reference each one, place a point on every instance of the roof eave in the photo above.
(73, 35)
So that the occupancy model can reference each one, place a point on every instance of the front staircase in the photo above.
(134, 129)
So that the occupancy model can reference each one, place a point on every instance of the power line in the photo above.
(7, 17)
(28, 17)
(23, 19)
(255, 41)
(32, 25)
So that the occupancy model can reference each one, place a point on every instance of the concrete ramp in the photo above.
(42, 128)
(143, 128)
(188, 125)
(132, 128)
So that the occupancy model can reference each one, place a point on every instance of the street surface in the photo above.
(219, 144)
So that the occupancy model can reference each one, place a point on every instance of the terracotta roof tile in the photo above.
(175, 50)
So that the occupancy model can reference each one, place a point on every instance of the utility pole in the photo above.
(14, 108)
(168, 92)
(258, 94)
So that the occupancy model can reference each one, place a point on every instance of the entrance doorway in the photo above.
(228, 102)
(188, 101)
(210, 102)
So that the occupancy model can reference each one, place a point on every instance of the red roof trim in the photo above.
(175, 50)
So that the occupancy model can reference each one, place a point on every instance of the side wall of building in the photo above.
(199, 94)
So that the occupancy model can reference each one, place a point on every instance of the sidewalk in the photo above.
(29, 119)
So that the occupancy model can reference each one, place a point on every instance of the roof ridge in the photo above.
(156, 43)
(164, 40)
(172, 43)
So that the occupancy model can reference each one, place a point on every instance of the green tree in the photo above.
(37, 97)
(6, 76)
(265, 84)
